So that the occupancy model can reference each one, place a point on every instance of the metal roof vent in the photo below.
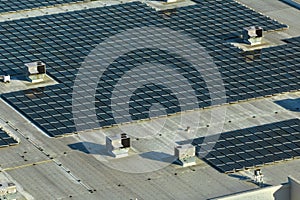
(258, 177)
(186, 155)
(171, 1)
(36, 71)
(7, 189)
(118, 146)
(253, 35)
(5, 78)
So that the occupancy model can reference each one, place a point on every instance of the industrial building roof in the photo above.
(261, 106)
(64, 40)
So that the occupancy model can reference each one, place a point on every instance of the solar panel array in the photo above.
(50, 108)
(293, 40)
(254, 147)
(10, 6)
(6, 140)
(62, 41)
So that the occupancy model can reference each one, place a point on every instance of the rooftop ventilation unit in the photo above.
(118, 146)
(258, 177)
(5, 78)
(186, 155)
(253, 35)
(7, 189)
(171, 1)
(36, 71)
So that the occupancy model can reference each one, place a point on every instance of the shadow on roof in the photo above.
(159, 156)
(290, 104)
(89, 148)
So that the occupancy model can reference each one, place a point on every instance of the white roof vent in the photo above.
(36, 71)
(253, 35)
(186, 155)
(171, 1)
(7, 188)
(5, 78)
(118, 146)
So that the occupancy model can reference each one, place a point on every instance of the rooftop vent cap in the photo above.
(5, 78)
(258, 177)
(7, 188)
(171, 1)
(36, 71)
(185, 154)
(253, 35)
(118, 145)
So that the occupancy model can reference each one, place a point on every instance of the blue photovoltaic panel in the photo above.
(254, 147)
(6, 140)
(10, 6)
(63, 41)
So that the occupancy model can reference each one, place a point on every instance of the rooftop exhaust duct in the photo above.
(186, 155)
(5, 78)
(36, 71)
(253, 35)
(118, 146)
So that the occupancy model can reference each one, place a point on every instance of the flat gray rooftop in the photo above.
(48, 168)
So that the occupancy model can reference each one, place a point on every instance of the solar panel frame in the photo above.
(245, 154)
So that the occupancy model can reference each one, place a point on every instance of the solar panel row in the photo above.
(63, 41)
(10, 6)
(253, 147)
(6, 140)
